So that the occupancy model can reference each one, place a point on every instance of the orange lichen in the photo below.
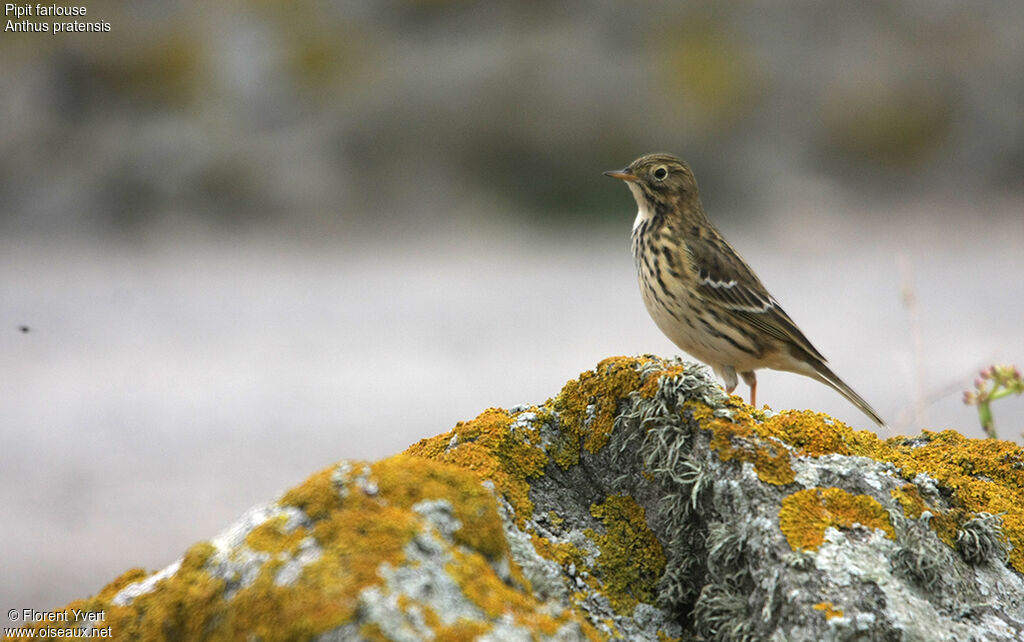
(483, 587)
(563, 553)
(490, 448)
(650, 385)
(739, 439)
(632, 559)
(182, 604)
(806, 514)
(698, 411)
(944, 524)
(405, 480)
(828, 609)
(810, 433)
(495, 598)
(317, 497)
(271, 536)
(588, 405)
(814, 434)
(984, 475)
(462, 631)
(130, 576)
(357, 538)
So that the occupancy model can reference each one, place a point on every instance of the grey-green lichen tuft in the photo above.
(668, 454)
(722, 614)
(981, 540)
(921, 556)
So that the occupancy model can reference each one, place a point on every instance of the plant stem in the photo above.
(985, 415)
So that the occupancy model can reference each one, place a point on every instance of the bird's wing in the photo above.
(724, 278)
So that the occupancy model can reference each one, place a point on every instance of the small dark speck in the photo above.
(24, 329)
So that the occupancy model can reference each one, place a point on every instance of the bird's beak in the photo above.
(623, 174)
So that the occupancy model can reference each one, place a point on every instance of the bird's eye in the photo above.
(660, 173)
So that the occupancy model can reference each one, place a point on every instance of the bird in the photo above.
(702, 294)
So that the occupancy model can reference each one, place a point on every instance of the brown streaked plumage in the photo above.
(702, 294)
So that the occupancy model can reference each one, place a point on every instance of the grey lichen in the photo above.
(544, 575)
(669, 456)
(722, 614)
(239, 565)
(921, 556)
(981, 540)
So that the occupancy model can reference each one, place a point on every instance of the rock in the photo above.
(640, 503)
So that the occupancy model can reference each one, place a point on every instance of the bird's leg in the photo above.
(750, 379)
(729, 377)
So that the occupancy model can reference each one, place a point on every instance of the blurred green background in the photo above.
(242, 240)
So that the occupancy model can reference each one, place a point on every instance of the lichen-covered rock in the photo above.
(640, 503)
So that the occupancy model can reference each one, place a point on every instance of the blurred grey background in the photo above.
(241, 241)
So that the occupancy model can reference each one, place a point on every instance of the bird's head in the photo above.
(661, 183)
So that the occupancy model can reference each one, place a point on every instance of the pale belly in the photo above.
(686, 321)
(695, 332)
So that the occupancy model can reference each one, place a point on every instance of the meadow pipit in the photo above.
(702, 294)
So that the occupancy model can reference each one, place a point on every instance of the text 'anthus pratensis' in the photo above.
(702, 294)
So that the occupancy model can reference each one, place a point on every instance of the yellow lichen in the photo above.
(811, 433)
(587, 406)
(130, 576)
(316, 497)
(271, 537)
(405, 480)
(564, 553)
(739, 439)
(944, 524)
(650, 386)
(462, 630)
(632, 559)
(488, 446)
(495, 598)
(357, 538)
(829, 610)
(186, 603)
(806, 514)
(983, 475)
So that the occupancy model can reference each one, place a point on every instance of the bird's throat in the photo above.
(643, 212)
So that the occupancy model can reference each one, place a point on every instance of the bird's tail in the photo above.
(825, 375)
